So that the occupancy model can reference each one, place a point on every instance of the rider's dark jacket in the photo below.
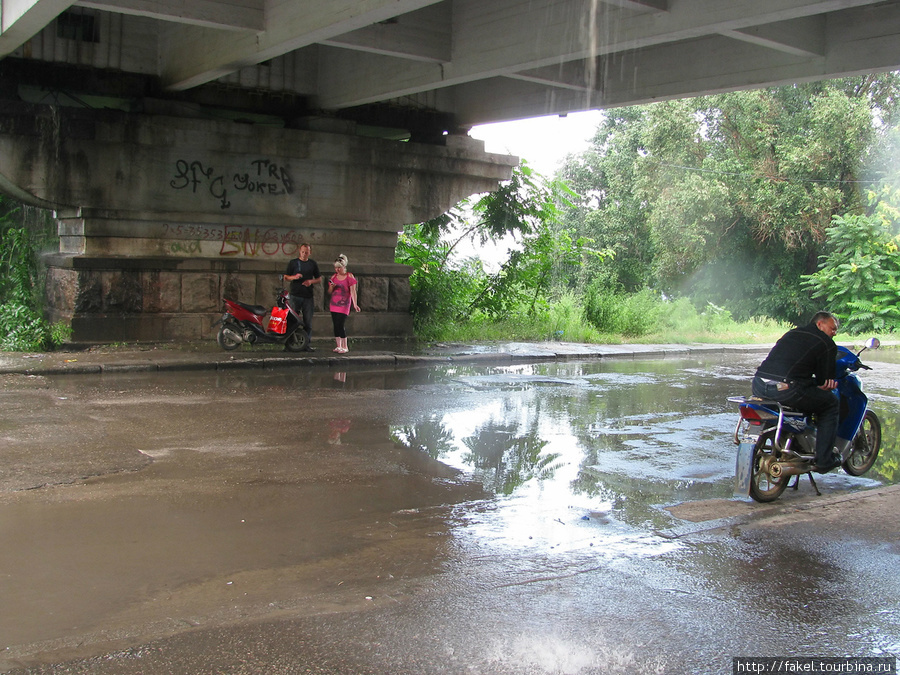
(800, 355)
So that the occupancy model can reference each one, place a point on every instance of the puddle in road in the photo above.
(573, 447)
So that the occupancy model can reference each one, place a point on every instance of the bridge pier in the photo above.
(124, 279)
(161, 216)
(154, 299)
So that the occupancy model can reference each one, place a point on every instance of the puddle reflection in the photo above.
(573, 450)
(557, 442)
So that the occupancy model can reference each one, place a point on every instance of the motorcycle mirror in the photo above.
(871, 343)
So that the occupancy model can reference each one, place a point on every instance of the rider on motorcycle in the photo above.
(799, 372)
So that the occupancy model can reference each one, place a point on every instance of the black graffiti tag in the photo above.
(266, 177)
(192, 175)
(269, 178)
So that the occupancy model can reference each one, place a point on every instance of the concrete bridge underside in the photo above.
(188, 147)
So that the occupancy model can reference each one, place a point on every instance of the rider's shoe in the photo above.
(833, 463)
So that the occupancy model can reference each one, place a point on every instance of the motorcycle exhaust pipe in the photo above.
(779, 469)
(235, 334)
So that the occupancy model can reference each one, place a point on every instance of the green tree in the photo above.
(441, 290)
(726, 199)
(607, 208)
(526, 208)
(859, 277)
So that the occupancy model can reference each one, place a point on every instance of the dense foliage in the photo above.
(447, 291)
(728, 200)
(859, 278)
(22, 326)
(726, 210)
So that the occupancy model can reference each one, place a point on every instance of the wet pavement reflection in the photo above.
(173, 502)
(611, 441)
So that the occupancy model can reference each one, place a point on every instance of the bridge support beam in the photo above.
(161, 216)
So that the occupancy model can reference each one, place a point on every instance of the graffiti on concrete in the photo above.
(233, 240)
(264, 177)
(192, 175)
(253, 242)
(268, 178)
(188, 247)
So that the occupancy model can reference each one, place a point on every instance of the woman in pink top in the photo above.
(342, 287)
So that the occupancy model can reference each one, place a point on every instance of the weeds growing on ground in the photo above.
(564, 320)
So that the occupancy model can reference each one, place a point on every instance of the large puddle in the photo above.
(168, 502)
(585, 453)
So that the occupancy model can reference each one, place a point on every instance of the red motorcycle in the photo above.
(244, 323)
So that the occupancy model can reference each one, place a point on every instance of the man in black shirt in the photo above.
(303, 273)
(799, 372)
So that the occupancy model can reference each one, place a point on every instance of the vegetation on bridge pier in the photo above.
(24, 232)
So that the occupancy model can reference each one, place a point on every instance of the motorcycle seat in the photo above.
(259, 310)
(768, 403)
(788, 410)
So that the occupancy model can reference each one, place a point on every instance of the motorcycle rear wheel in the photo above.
(865, 446)
(228, 338)
(297, 341)
(763, 486)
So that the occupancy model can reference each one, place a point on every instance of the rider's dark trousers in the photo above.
(809, 399)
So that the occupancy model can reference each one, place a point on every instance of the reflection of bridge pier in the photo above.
(161, 216)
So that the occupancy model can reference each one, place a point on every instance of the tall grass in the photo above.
(639, 318)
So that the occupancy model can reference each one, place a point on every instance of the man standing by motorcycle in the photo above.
(303, 273)
(799, 372)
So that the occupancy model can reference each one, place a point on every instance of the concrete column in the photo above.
(160, 216)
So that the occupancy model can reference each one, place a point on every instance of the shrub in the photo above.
(860, 277)
(642, 313)
(22, 329)
(602, 308)
(629, 315)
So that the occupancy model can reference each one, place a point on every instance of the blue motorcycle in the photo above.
(776, 442)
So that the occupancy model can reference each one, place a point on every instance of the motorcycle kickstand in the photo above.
(813, 481)
(796, 483)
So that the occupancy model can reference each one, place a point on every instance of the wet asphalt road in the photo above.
(362, 520)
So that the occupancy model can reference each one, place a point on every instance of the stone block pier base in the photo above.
(151, 300)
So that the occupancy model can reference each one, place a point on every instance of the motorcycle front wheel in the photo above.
(297, 341)
(865, 447)
(763, 486)
(228, 338)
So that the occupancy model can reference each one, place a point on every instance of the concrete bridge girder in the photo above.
(349, 53)
(543, 56)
